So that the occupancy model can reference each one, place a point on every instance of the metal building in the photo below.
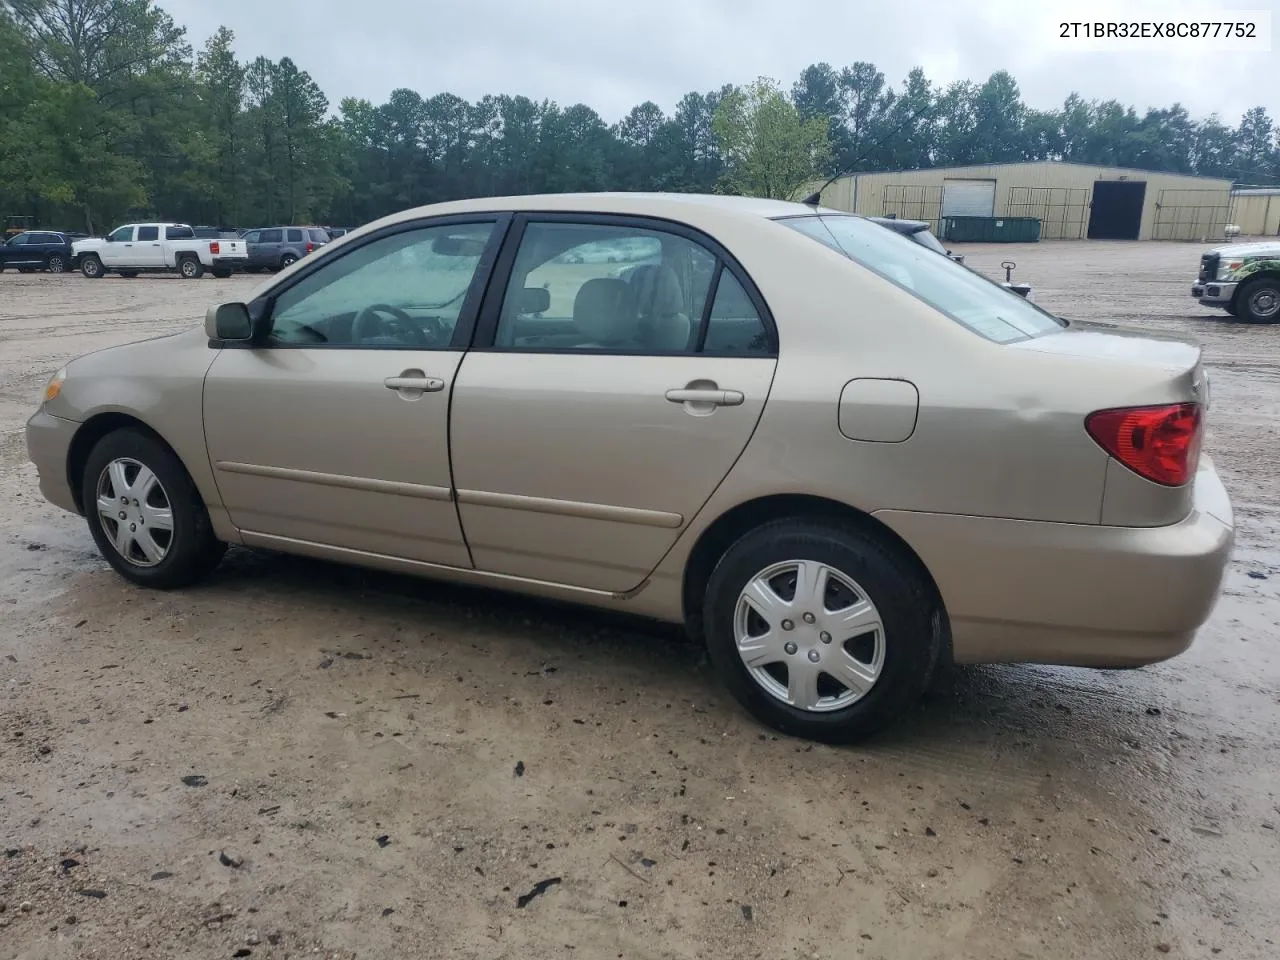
(1256, 211)
(1073, 201)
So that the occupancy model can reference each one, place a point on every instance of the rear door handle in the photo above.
(425, 384)
(720, 398)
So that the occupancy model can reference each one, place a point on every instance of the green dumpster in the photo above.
(991, 229)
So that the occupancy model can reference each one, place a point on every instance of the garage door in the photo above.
(968, 198)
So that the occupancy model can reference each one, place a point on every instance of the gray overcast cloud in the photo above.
(613, 56)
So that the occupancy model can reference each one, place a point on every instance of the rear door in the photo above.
(620, 368)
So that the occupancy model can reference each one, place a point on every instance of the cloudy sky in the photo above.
(612, 55)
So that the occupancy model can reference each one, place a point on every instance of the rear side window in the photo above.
(318, 236)
(271, 236)
(179, 233)
(295, 236)
(970, 299)
(148, 233)
(734, 326)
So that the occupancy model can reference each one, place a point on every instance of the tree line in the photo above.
(108, 113)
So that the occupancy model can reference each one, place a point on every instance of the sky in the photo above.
(615, 54)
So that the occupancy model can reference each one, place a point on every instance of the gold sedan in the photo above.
(836, 456)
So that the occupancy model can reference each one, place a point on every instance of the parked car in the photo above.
(336, 232)
(920, 232)
(835, 456)
(154, 247)
(274, 248)
(36, 250)
(1243, 279)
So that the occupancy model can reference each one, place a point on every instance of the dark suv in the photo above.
(35, 250)
(274, 248)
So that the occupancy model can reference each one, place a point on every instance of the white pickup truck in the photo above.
(153, 247)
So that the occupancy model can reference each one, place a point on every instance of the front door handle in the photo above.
(413, 381)
(719, 398)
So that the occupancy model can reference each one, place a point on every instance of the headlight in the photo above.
(1227, 268)
(54, 386)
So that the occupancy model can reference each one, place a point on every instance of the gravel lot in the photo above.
(304, 760)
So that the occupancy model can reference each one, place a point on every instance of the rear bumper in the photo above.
(228, 263)
(48, 443)
(1214, 294)
(1076, 594)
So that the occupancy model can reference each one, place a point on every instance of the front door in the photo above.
(118, 250)
(335, 429)
(616, 378)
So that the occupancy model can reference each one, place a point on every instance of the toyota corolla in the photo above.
(833, 455)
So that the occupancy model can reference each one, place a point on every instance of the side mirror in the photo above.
(228, 321)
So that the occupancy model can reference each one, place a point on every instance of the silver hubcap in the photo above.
(134, 511)
(1264, 303)
(91, 266)
(809, 635)
(55, 264)
(188, 268)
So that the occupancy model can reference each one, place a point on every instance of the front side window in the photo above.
(21, 240)
(615, 289)
(251, 236)
(148, 233)
(121, 235)
(403, 290)
(984, 307)
(271, 236)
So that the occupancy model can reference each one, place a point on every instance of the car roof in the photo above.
(674, 205)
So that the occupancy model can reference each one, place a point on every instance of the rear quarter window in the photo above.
(318, 236)
(980, 305)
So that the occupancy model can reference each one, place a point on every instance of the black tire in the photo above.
(56, 263)
(26, 269)
(287, 261)
(912, 624)
(91, 266)
(221, 274)
(190, 268)
(1258, 301)
(192, 551)
(128, 274)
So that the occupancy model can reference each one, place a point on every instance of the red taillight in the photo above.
(1160, 443)
(215, 247)
(310, 247)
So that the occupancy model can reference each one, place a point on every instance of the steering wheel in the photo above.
(368, 325)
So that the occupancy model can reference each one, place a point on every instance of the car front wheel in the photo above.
(1259, 301)
(145, 514)
(821, 630)
(91, 267)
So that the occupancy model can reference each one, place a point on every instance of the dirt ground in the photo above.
(304, 760)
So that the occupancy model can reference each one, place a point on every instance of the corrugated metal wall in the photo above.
(1175, 207)
(1257, 214)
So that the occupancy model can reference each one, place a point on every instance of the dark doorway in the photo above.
(1116, 212)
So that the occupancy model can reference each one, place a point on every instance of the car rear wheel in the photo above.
(145, 514)
(1259, 301)
(56, 263)
(288, 260)
(190, 268)
(91, 267)
(821, 630)
(128, 274)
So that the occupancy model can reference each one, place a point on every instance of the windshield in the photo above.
(970, 299)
